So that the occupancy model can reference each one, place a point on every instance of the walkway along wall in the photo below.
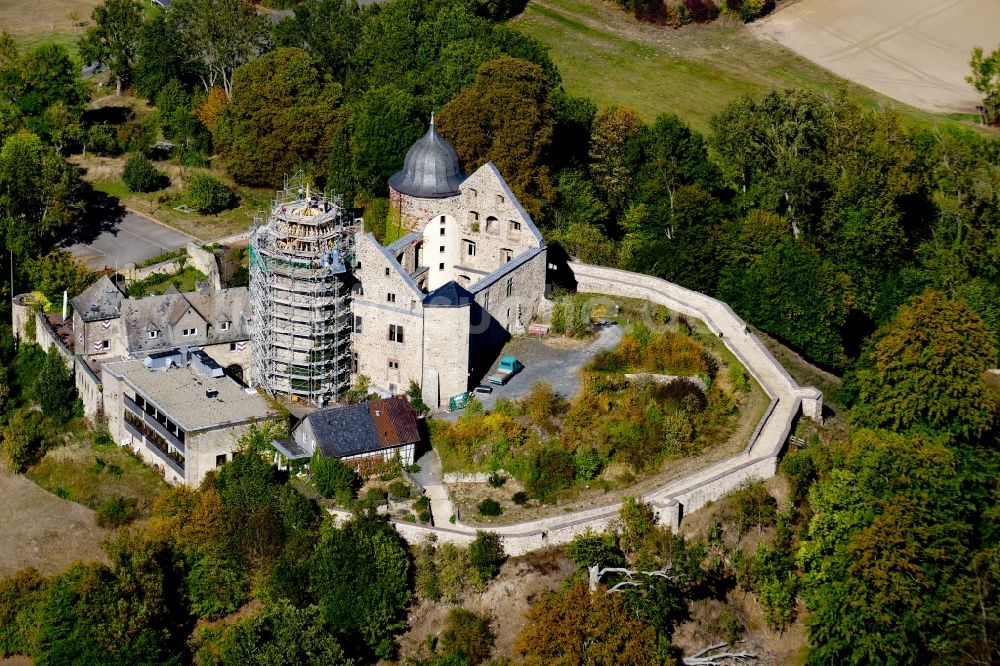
(758, 460)
(88, 385)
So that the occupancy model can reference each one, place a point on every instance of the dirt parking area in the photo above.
(42, 531)
(916, 51)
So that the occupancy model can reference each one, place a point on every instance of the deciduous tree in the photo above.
(113, 39)
(282, 114)
(361, 575)
(574, 627)
(985, 78)
(925, 369)
(218, 36)
(505, 117)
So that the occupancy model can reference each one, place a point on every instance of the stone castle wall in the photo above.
(682, 496)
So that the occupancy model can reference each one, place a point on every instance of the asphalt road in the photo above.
(131, 240)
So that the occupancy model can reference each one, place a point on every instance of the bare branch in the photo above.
(702, 658)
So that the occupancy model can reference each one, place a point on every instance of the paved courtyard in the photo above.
(131, 240)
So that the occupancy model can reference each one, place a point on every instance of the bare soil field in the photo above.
(41, 530)
(505, 600)
(916, 51)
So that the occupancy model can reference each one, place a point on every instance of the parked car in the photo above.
(508, 367)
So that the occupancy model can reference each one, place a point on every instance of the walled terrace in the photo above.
(681, 496)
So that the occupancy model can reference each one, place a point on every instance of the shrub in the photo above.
(467, 637)
(588, 548)
(486, 554)
(754, 507)
(489, 507)
(207, 194)
(332, 478)
(140, 175)
(519, 498)
(399, 489)
(115, 512)
(549, 470)
(24, 439)
(496, 479)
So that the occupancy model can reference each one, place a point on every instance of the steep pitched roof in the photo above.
(101, 300)
(448, 295)
(395, 421)
(354, 430)
(344, 431)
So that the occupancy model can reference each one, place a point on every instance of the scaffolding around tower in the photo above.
(300, 328)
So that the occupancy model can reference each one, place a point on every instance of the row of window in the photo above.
(492, 223)
(188, 332)
(396, 333)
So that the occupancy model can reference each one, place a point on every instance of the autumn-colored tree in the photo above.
(890, 572)
(505, 117)
(574, 627)
(612, 162)
(925, 370)
(208, 111)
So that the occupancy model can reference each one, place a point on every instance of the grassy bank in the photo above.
(608, 56)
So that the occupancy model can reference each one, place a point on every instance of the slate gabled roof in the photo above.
(344, 431)
(101, 300)
(450, 295)
(365, 428)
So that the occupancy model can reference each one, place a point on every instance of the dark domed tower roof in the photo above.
(430, 170)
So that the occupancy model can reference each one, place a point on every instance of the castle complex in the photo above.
(330, 303)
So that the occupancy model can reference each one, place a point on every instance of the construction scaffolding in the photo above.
(300, 328)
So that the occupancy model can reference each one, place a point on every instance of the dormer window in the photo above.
(153, 335)
(223, 325)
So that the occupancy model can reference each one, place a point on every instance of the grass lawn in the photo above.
(104, 174)
(608, 56)
(158, 284)
(89, 473)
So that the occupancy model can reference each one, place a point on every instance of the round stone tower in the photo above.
(430, 173)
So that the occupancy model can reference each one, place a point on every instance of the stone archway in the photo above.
(236, 372)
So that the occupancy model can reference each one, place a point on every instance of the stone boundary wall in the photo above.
(473, 477)
(758, 461)
(168, 267)
(205, 262)
(88, 385)
(197, 257)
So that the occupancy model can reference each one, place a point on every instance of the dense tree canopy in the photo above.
(505, 117)
(895, 568)
(361, 576)
(282, 116)
(925, 368)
